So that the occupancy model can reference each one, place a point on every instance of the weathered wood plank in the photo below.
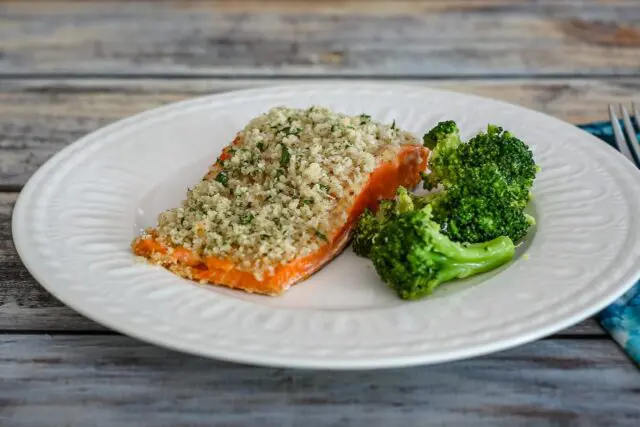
(26, 306)
(410, 38)
(39, 117)
(114, 380)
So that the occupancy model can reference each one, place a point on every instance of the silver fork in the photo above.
(623, 144)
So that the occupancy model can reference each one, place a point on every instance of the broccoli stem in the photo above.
(413, 256)
(476, 258)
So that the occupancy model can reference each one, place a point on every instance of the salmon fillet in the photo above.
(281, 200)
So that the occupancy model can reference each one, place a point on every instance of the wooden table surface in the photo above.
(68, 68)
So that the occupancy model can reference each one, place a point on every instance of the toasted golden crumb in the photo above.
(281, 189)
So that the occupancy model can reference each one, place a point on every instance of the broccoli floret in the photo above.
(443, 141)
(413, 256)
(370, 224)
(403, 201)
(480, 208)
(444, 133)
(487, 184)
(366, 229)
(512, 158)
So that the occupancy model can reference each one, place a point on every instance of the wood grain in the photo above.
(114, 380)
(400, 38)
(40, 117)
(26, 306)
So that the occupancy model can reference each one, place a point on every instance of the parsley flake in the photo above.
(320, 235)
(284, 156)
(222, 178)
(246, 219)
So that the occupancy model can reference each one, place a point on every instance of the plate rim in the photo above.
(305, 361)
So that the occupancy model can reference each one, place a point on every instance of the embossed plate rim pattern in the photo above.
(586, 251)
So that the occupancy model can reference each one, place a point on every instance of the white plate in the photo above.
(76, 217)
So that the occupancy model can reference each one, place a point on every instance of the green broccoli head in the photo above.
(413, 256)
(481, 207)
(370, 224)
(386, 209)
(487, 185)
(511, 157)
(443, 141)
(403, 201)
(365, 230)
(443, 134)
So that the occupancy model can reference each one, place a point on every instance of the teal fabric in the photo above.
(622, 318)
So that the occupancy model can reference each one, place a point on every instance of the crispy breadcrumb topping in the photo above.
(282, 189)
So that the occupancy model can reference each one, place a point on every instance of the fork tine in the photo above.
(631, 133)
(619, 136)
(636, 113)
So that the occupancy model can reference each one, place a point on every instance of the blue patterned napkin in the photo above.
(622, 318)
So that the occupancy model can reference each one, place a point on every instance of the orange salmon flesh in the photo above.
(404, 170)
